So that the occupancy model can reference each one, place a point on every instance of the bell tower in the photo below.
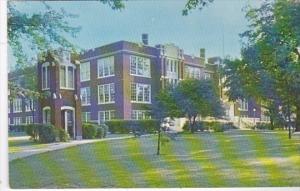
(59, 83)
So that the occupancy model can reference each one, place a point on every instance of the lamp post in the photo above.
(254, 110)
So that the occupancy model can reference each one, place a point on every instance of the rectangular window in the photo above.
(28, 119)
(105, 116)
(85, 96)
(106, 67)
(140, 93)
(17, 105)
(29, 105)
(106, 93)
(17, 120)
(86, 116)
(243, 104)
(139, 114)
(192, 72)
(45, 77)
(140, 66)
(85, 71)
(66, 77)
(207, 76)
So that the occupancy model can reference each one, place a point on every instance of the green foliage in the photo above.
(195, 4)
(126, 126)
(101, 131)
(63, 136)
(47, 133)
(33, 131)
(212, 125)
(89, 130)
(263, 126)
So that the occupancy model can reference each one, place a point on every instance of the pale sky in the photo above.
(162, 20)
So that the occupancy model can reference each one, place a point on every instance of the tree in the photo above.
(190, 98)
(163, 106)
(195, 4)
(269, 69)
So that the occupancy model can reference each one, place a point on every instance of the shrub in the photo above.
(126, 126)
(33, 131)
(101, 131)
(89, 130)
(63, 136)
(217, 127)
(262, 126)
(47, 133)
(17, 128)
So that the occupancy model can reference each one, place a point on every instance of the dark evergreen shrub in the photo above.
(89, 130)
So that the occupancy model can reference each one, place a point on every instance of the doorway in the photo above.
(68, 121)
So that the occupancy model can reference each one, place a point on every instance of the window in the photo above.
(139, 114)
(172, 66)
(140, 66)
(29, 105)
(46, 115)
(66, 75)
(106, 93)
(17, 120)
(207, 76)
(192, 72)
(86, 116)
(45, 76)
(105, 116)
(85, 96)
(85, 71)
(243, 104)
(106, 67)
(17, 105)
(28, 119)
(140, 93)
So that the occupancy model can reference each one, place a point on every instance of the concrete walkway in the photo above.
(25, 151)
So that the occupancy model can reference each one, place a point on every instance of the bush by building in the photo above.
(93, 130)
(212, 125)
(46, 133)
(127, 126)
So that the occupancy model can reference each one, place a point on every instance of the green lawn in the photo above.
(230, 159)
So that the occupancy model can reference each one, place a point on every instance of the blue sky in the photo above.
(162, 20)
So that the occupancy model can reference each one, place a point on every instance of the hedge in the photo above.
(46, 133)
(127, 126)
(213, 125)
(93, 130)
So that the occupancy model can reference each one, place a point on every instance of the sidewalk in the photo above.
(25, 151)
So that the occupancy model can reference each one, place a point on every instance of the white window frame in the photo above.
(46, 65)
(29, 119)
(18, 121)
(85, 96)
(145, 63)
(106, 63)
(67, 85)
(29, 104)
(192, 72)
(243, 104)
(137, 85)
(85, 116)
(17, 105)
(85, 71)
(44, 114)
(106, 118)
(111, 96)
(136, 113)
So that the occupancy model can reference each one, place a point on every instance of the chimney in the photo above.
(202, 54)
(145, 39)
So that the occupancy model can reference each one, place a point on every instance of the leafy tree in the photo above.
(195, 4)
(270, 65)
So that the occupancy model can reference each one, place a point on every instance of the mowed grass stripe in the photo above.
(181, 172)
(21, 175)
(102, 152)
(244, 172)
(119, 148)
(201, 156)
(55, 170)
(275, 176)
(148, 146)
(183, 153)
(150, 173)
(87, 173)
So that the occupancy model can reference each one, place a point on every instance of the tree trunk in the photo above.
(297, 125)
(158, 140)
(190, 124)
(271, 121)
(193, 125)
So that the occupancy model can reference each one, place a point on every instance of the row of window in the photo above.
(110, 114)
(140, 93)
(17, 105)
(139, 66)
(19, 120)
